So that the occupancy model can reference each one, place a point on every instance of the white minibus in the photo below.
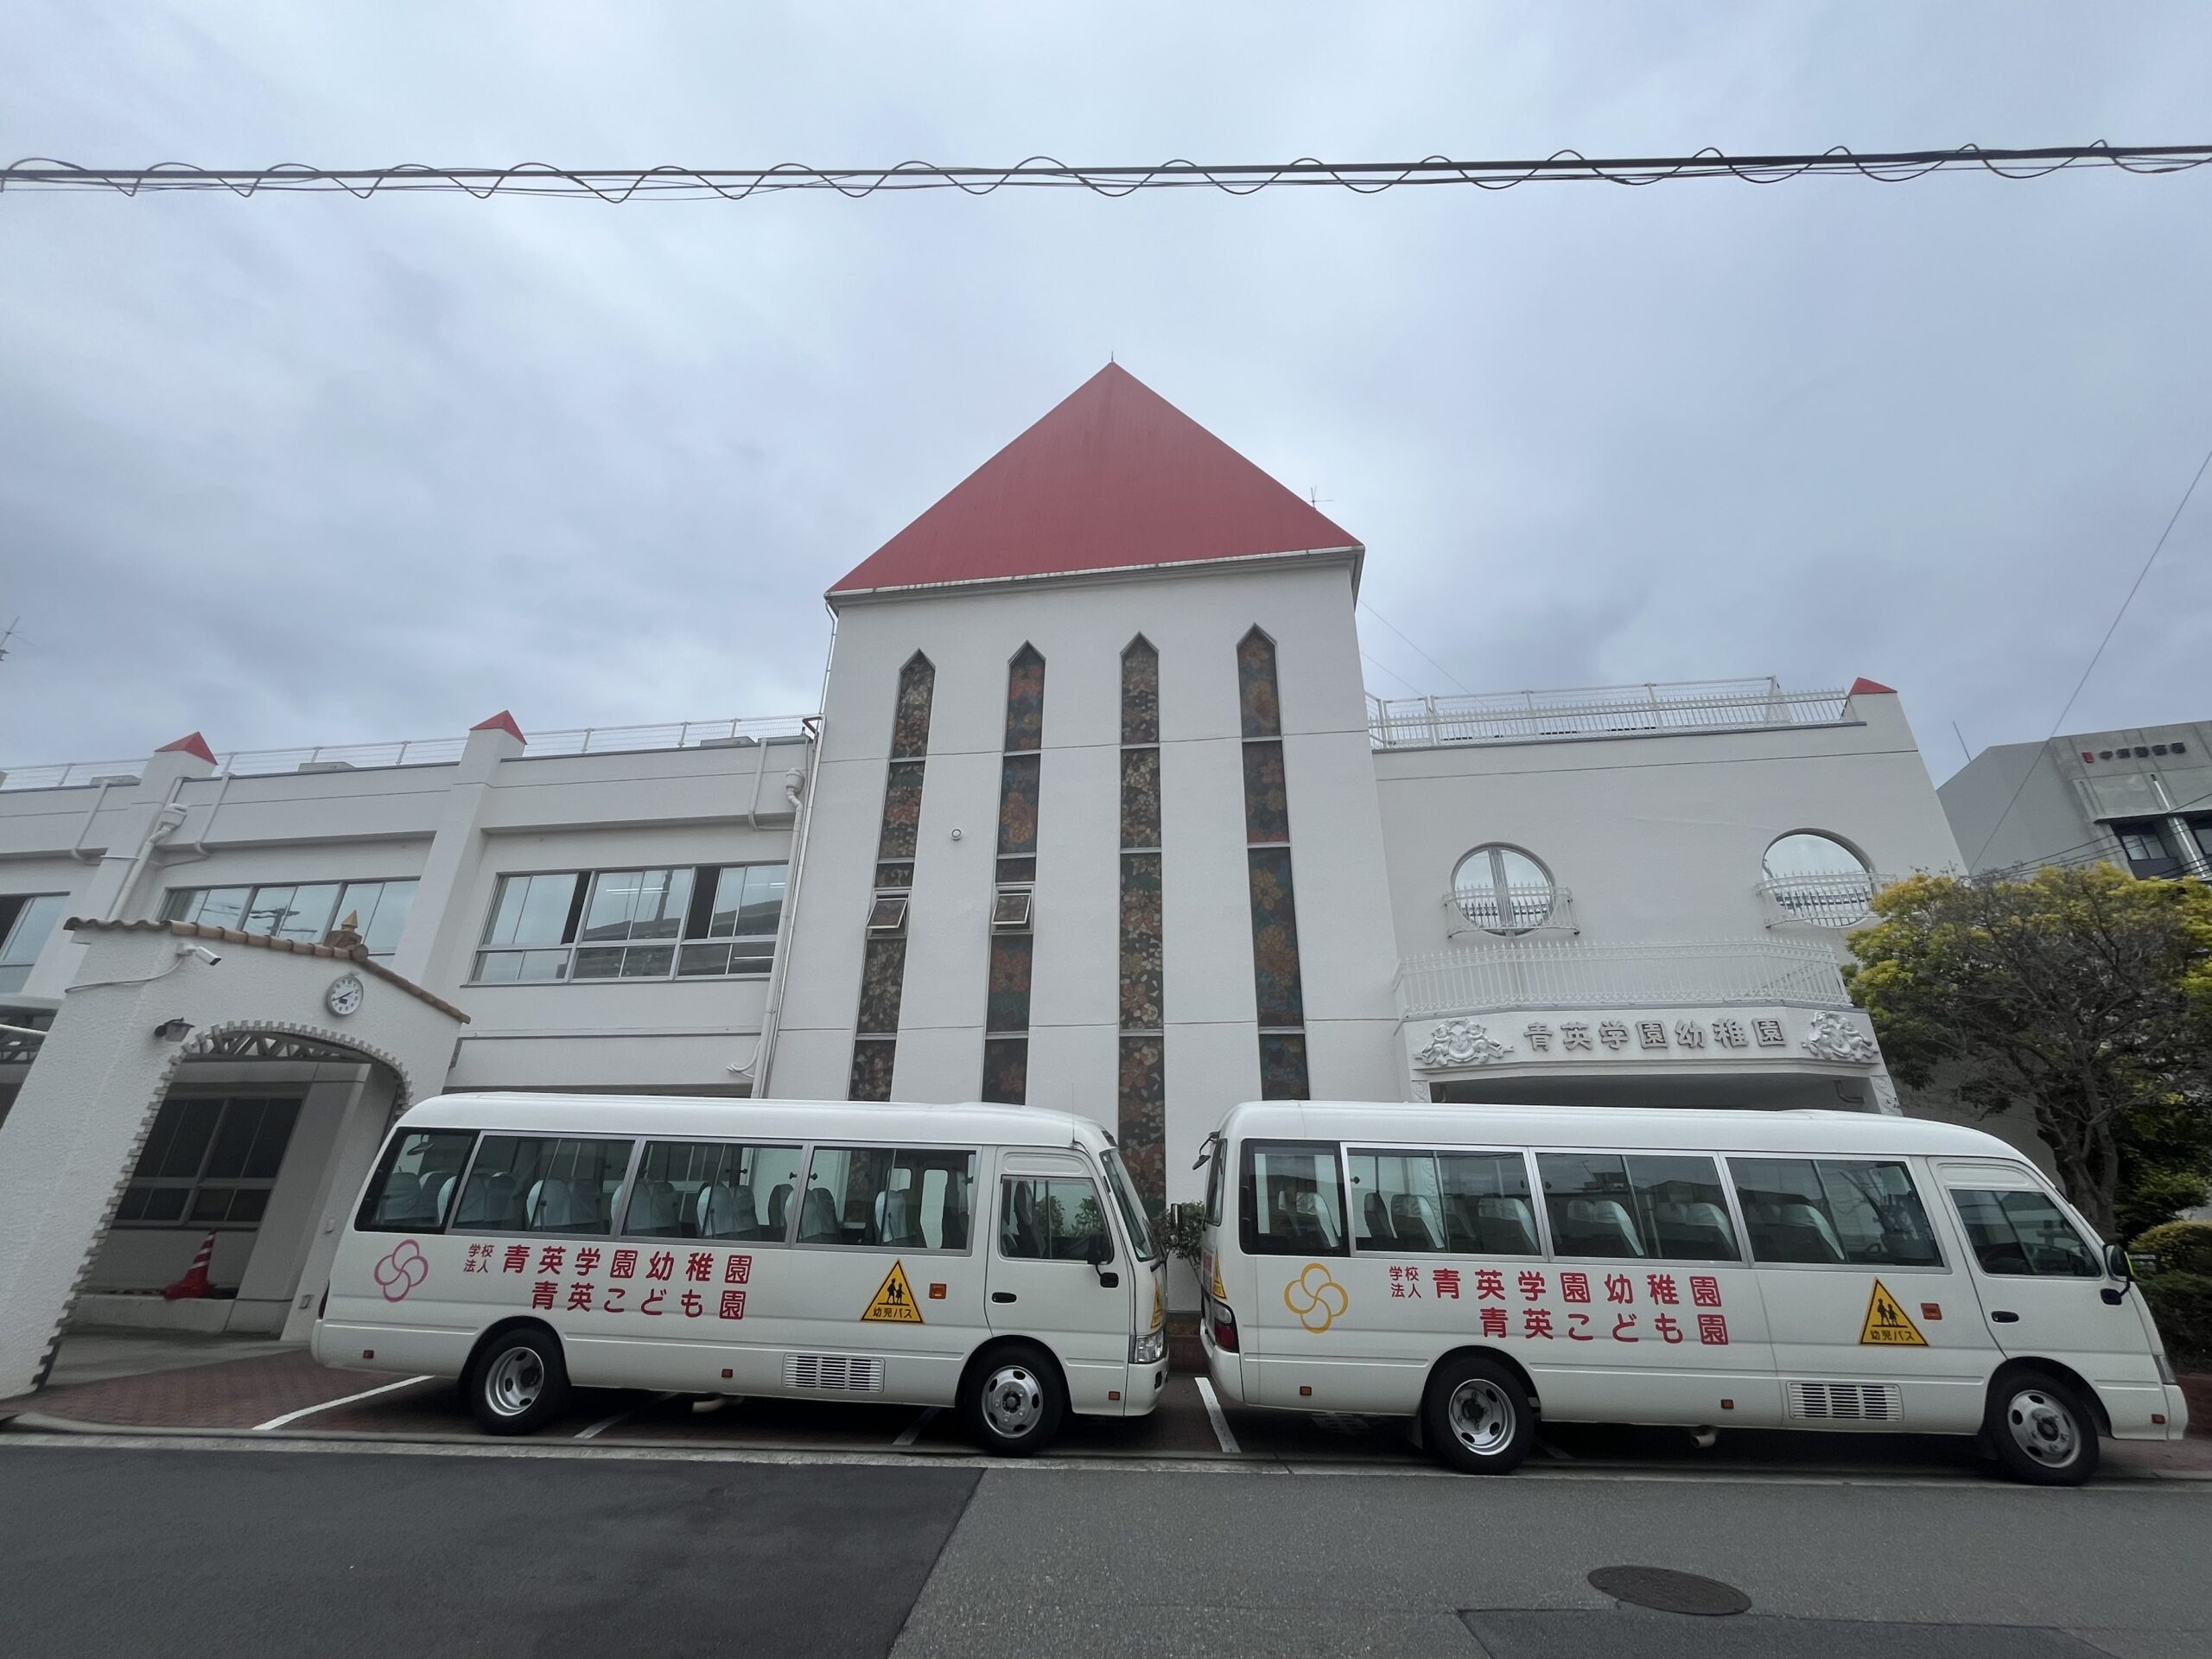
(990, 1258)
(1475, 1267)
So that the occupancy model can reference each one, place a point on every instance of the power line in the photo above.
(672, 183)
(1417, 651)
(2098, 654)
(1392, 673)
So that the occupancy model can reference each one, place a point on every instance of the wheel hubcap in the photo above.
(2043, 1427)
(1481, 1417)
(514, 1382)
(1013, 1401)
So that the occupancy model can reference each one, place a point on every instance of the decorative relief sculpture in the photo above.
(1461, 1042)
(1834, 1038)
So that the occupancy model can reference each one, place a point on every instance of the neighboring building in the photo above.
(2140, 799)
(1097, 816)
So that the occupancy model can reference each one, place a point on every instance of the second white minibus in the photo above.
(992, 1258)
(1475, 1267)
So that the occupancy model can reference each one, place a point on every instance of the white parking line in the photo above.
(915, 1428)
(1220, 1423)
(606, 1423)
(310, 1411)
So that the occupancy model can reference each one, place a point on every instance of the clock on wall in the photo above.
(345, 994)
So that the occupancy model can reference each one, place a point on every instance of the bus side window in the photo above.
(1052, 1218)
(543, 1183)
(1290, 1199)
(882, 1197)
(709, 1189)
(412, 1191)
(2015, 1231)
(1822, 1212)
(1486, 1208)
(1396, 1204)
(1593, 1212)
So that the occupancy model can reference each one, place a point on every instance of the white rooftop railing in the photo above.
(1597, 711)
(427, 751)
(1576, 974)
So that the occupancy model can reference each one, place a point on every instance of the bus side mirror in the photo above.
(1097, 1250)
(2118, 1263)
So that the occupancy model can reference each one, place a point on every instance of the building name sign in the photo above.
(1832, 1037)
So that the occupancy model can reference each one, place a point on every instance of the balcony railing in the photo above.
(1576, 974)
(428, 751)
(1822, 900)
(1509, 911)
(1597, 711)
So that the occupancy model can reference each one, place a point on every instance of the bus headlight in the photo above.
(1148, 1348)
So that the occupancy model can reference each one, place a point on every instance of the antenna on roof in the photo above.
(5, 637)
(1315, 499)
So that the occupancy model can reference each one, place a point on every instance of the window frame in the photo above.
(466, 1166)
(1247, 1238)
(579, 900)
(1504, 894)
(1115, 1246)
(1439, 1151)
(792, 1221)
(170, 895)
(618, 1204)
(191, 1185)
(1941, 1265)
(1741, 1259)
(628, 1192)
(1977, 1182)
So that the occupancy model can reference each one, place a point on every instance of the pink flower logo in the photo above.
(401, 1271)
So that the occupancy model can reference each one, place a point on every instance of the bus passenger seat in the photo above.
(817, 1216)
(1409, 1219)
(402, 1200)
(719, 1214)
(1507, 1226)
(780, 1203)
(955, 1211)
(1378, 1216)
(653, 1208)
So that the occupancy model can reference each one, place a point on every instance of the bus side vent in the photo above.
(834, 1373)
(1846, 1402)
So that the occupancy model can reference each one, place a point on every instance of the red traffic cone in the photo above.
(195, 1283)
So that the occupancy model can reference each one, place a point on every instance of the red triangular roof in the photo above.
(191, 743)
(1116, 478)
(1862, 687)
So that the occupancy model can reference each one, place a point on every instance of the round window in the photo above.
(1817, 879)
(1502, 890)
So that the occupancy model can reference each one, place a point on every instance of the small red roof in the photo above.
(1862, 686)
(502, 721)
(1116, 478)
(190, 743)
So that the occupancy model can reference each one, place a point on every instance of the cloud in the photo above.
(303, 469)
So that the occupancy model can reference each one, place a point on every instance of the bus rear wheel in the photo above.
(1013, 1402)
(1476, 1417)
(2041, 1431)
(519, 1381)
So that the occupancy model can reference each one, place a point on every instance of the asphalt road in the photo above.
(120, 1550)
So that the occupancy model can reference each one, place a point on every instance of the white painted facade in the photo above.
(1654, 823)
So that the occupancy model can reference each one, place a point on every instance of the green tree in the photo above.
(2082, 995)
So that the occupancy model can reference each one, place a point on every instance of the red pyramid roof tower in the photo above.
(1115, 478)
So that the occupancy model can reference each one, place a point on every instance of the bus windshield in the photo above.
(1132, 1208)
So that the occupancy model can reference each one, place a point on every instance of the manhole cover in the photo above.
(1669, 1591)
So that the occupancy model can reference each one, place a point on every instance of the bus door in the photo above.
(2043, 1288)
(1057, 1275)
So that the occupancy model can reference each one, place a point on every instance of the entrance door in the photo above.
(1050, 1221)
(2041, 1281)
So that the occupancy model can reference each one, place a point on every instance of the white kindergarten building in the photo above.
(1097, 814)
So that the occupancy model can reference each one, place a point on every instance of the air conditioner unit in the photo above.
(1011, 913)
(888, 915)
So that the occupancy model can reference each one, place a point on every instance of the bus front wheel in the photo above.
(1477, 1416)
(1013, 1402)
(2041, 1431)
(519, 1381)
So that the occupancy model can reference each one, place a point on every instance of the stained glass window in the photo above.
(1141, 692)
(1025, 701)
(1005, 1070)
(910, 725)
(1141, 976)
(883, 961)
(1255, 686)
(1139, 799)
(1008, 1006)
(1278, 986)
(1142, 1130)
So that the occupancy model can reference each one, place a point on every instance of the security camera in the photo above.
(200, 952)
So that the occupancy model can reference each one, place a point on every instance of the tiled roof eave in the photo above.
(1354, 551)
(358, 955)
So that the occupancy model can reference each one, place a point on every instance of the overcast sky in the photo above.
(303, 469)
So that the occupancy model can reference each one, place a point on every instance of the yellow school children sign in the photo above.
(895, 1300)
(1888, 1325)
